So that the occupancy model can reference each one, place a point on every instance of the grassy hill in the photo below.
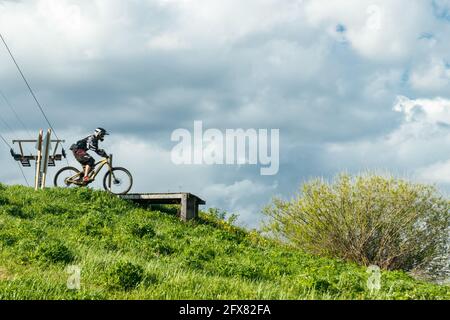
(129, 252)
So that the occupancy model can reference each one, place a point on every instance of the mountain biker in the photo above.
(81, 147)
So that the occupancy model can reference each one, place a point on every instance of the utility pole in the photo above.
(43, 157)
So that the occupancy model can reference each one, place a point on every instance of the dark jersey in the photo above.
(89, 143)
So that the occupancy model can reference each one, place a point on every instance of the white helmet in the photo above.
(100, 133)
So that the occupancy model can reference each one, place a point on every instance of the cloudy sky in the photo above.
(351, 84)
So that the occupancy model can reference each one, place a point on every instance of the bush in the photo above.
(368, 219)
(125, 276)
(143, 230)
(3, 200)
(55, 252)
(16, 211)
(160, 247)
(95, 224)
(196, 256)
(8, 239)
(239, 268)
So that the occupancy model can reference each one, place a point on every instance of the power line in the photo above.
(15, 113)
(5, 123)
(28, 86)
(4, 140)
(31, 90)
(23, 174)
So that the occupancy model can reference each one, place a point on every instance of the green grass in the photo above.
(130, 252)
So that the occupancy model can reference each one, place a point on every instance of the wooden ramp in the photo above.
(189, 202)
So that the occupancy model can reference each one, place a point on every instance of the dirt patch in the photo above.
(4, 275)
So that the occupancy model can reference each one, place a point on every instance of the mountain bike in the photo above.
(117, 180)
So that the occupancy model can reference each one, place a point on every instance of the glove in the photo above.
(103, 154)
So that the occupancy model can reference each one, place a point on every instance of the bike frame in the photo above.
(98, 166)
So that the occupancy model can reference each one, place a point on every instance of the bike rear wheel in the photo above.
(120, 182)
(66, 177)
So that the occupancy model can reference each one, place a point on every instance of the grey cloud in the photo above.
(288, 74)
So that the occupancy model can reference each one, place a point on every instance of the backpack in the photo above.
(81, 144)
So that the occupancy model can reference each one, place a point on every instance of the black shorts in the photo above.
(83, 157)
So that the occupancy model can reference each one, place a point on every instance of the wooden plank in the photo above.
(151, 196)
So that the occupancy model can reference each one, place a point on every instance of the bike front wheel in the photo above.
(118, 181)
(67, 177)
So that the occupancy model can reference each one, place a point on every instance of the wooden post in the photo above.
(184, 208)
(37, 178)
(192, 208)
(189, 207)
(46, 156)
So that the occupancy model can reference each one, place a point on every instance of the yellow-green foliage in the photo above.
(368, 219)
(129, 252)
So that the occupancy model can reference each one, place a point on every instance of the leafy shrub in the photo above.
(218, 218)
(52, 209)
(125, 276)
(3, 200)
(162, 248)
(149, 279)
(8, 239)
(16, 211)
(369, 219)
(95, 224)
(236, 235)
(55, 252)
(85, 194)
(25, 251)
(142, 230)
(352, 282)
(244, 269)
(196, 256)
(221, 215)
(323, 285)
